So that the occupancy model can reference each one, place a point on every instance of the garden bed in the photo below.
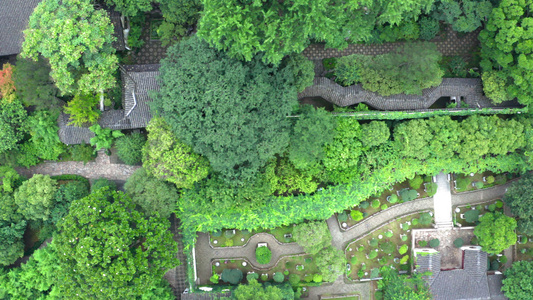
(399, 193)
(524, 248)
(468, 215)
(387, 242)
(236, 238)
(476, 181)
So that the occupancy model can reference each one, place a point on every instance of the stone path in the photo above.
(442, 202)
(449, 46)
(205, 253)
(102, 166)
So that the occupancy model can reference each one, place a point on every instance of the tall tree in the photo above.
(495, 232)
(35, 197)
(131, 8)
(518, 198)
(231, 112)
(318, 230)
(463, 15)
(108, 250)
(76, 40)
(331, 263)
(12, 120)
(374, 134)
(517, 283)
(254, 290)
(507, 48)
(179, 16)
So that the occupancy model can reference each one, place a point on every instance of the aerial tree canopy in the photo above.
(400, 287)
(131, 8)
(108, 250)
(495, 232)
(319, 232)
(517, 283)
(76, 40)
(465, 15)
(518, 198)
(35, 197)
(255, 290)
(506, 51)
(231, 112)
(279, 28)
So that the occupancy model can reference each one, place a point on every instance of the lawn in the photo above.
(468, 215)
(464, 183)
(386, 242)
(373, 205)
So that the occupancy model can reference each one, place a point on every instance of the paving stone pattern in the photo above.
(449, 46)
(152, 51)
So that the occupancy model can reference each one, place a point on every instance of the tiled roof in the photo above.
(136, 113)
(470, 88)
(14, 16)
(469, 283)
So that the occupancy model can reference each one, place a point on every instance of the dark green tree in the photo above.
(129, 148)
(12, 119)
(310, 133)
(465, 15)
(131, 8)
(102, 183)
(517, 282)
(303, 71)
(254, 290)
(231, 112)
(178, 17)
(518, 198)
(151, 194)
(233, 276)
(400, 287)
(506, 48)
(35, 197)
(374, 133)
(108, 250)
(284, 177)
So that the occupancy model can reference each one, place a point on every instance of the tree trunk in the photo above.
(101, 100)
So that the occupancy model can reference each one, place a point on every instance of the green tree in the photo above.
(178, 17)
(495, 86)
(9, 179)
(254, 290)
(310, 133)
(519, 198)
(284, 177)
(131, 8)
(103, 137)
(374, 134)
(465, 15)
(129, 148)
(65, 194)
(233, 276)
(82, 110)
(76, 40)
(34, 84)
(35, 197)
(412, 139)
(11, 243)
(312, 236)
(303, 71)
(400, 287)
(166, 158)
(108, 250)
(495, 232)
(12, 119)
(506, 48)
(151, 194)
(517, 282)
(231, 112)
(102, 183)
(331, 263)
(263, 255)
(43, 129)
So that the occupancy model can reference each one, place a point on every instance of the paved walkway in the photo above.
(442, 202)
(364, 289)
(480, 195)
(205, 253)
(102, 166)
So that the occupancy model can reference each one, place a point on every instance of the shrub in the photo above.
(384, 206)
(342, 217)
(414, 222)
(503, 259)
(233, 276)
(434, 243)
(431, 189)
(494, 265)
(353, 260)
(403, 249)
(83, 152)
(404, 238)
(416, 182)
(129, 148)
(425, 219)
(279, 277)
(214, 279)
(252, 276)
(389, 233)
(472, 216)
(374, 242)
(228, 243)
(388, 247)
(374, 273)
(405, 226)
(364, 204)
(499, 204)
(356, 215)
(317, 278)
(264, 277)
(360, 273)
(373, 254)
(216, 233)
(308, 278)
(458, 243)
(490, 179)
(422, 243)
(294, 279)
(263, 255)
(286, 272)
(462, 183)
(393, 199)
(492, 207)
(408, 195)
(229, 234)
(102, 183)
(478, 184)
(361, 248)
(83, 110)
(404, 259)
(429, 27)
(375, 203)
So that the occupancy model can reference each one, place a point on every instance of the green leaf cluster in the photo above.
(495, 232)
(517, 282)
(519, 198)
(103, 137)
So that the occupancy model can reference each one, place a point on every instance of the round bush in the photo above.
(308, 278)
(372, 255)
(384, 206)
(434, 243)
(416, 182)
(503, 259)
(425, 219)
(422, 243)
(129, 148)
(404, 259)
(404, 238)
(389, 233)
(216, 233)
(263, 255)
(403, 249)
(353, 260)
(286, 272)
(458, 243)
(374, 242)
(414, 222)
(356, 215)
(393, 198)
(101, 183)
(492, 207)
(233, 276)
(279, 277)
(294, 279)
(375, 203)
(342, 217)
(264, 277)
(499, 204)
(490, 179)
(317, 278)
(364, 204)
(478, 185)
(252, 276)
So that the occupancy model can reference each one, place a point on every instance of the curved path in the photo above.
(102, 166)
(205, 253)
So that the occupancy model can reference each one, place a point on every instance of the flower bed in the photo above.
(388, 198)
(472, 182)
(389, 245)
(469, 215)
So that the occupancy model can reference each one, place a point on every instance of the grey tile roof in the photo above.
(136, 113)
(14, 16)
(469, 283)
(469, 88)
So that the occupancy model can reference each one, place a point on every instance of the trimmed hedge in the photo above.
(263, 255)
(72, 177)
(406, 114)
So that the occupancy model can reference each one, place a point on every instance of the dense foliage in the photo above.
(179, 18)
(519, 198)
(331, 262)
(255, 290)
(113, 251)
(400, 287)
(506, 49)
(465, 15)
(263, 255)
(495, 232)
(319, 232)
(517, 283)
(129, 148)
(35, 197)
(231, 112)
(76, 40)
(12, 118)
(408, 69)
